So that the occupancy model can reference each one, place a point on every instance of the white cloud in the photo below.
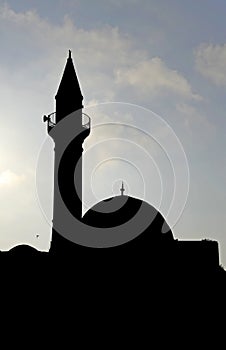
(199, 129)
(152, 76)
(210, 61)
(107, 60)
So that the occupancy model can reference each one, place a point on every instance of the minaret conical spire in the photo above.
(69, 97)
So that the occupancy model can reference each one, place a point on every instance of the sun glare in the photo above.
(8, 178)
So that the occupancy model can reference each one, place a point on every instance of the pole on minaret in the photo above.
(122, 189)
(69, 54)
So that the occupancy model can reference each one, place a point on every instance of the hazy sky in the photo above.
(167, 56)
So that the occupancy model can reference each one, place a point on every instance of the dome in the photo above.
(131, 213)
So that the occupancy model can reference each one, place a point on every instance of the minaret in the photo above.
(68, 131)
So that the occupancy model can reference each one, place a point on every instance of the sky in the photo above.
(157, 67)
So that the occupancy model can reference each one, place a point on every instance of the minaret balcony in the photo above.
(51, 118)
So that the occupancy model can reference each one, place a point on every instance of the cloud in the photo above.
(40, 47)
(200, 131)
(107, 61)
(193, 116)
(153, 76)
(210, 61)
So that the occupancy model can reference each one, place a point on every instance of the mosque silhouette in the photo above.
(133, 234)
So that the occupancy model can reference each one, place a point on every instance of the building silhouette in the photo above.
(68, 129)
(152, 244)
(154, 250)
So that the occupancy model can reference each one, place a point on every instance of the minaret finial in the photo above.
(69, 54)
(122, 189)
